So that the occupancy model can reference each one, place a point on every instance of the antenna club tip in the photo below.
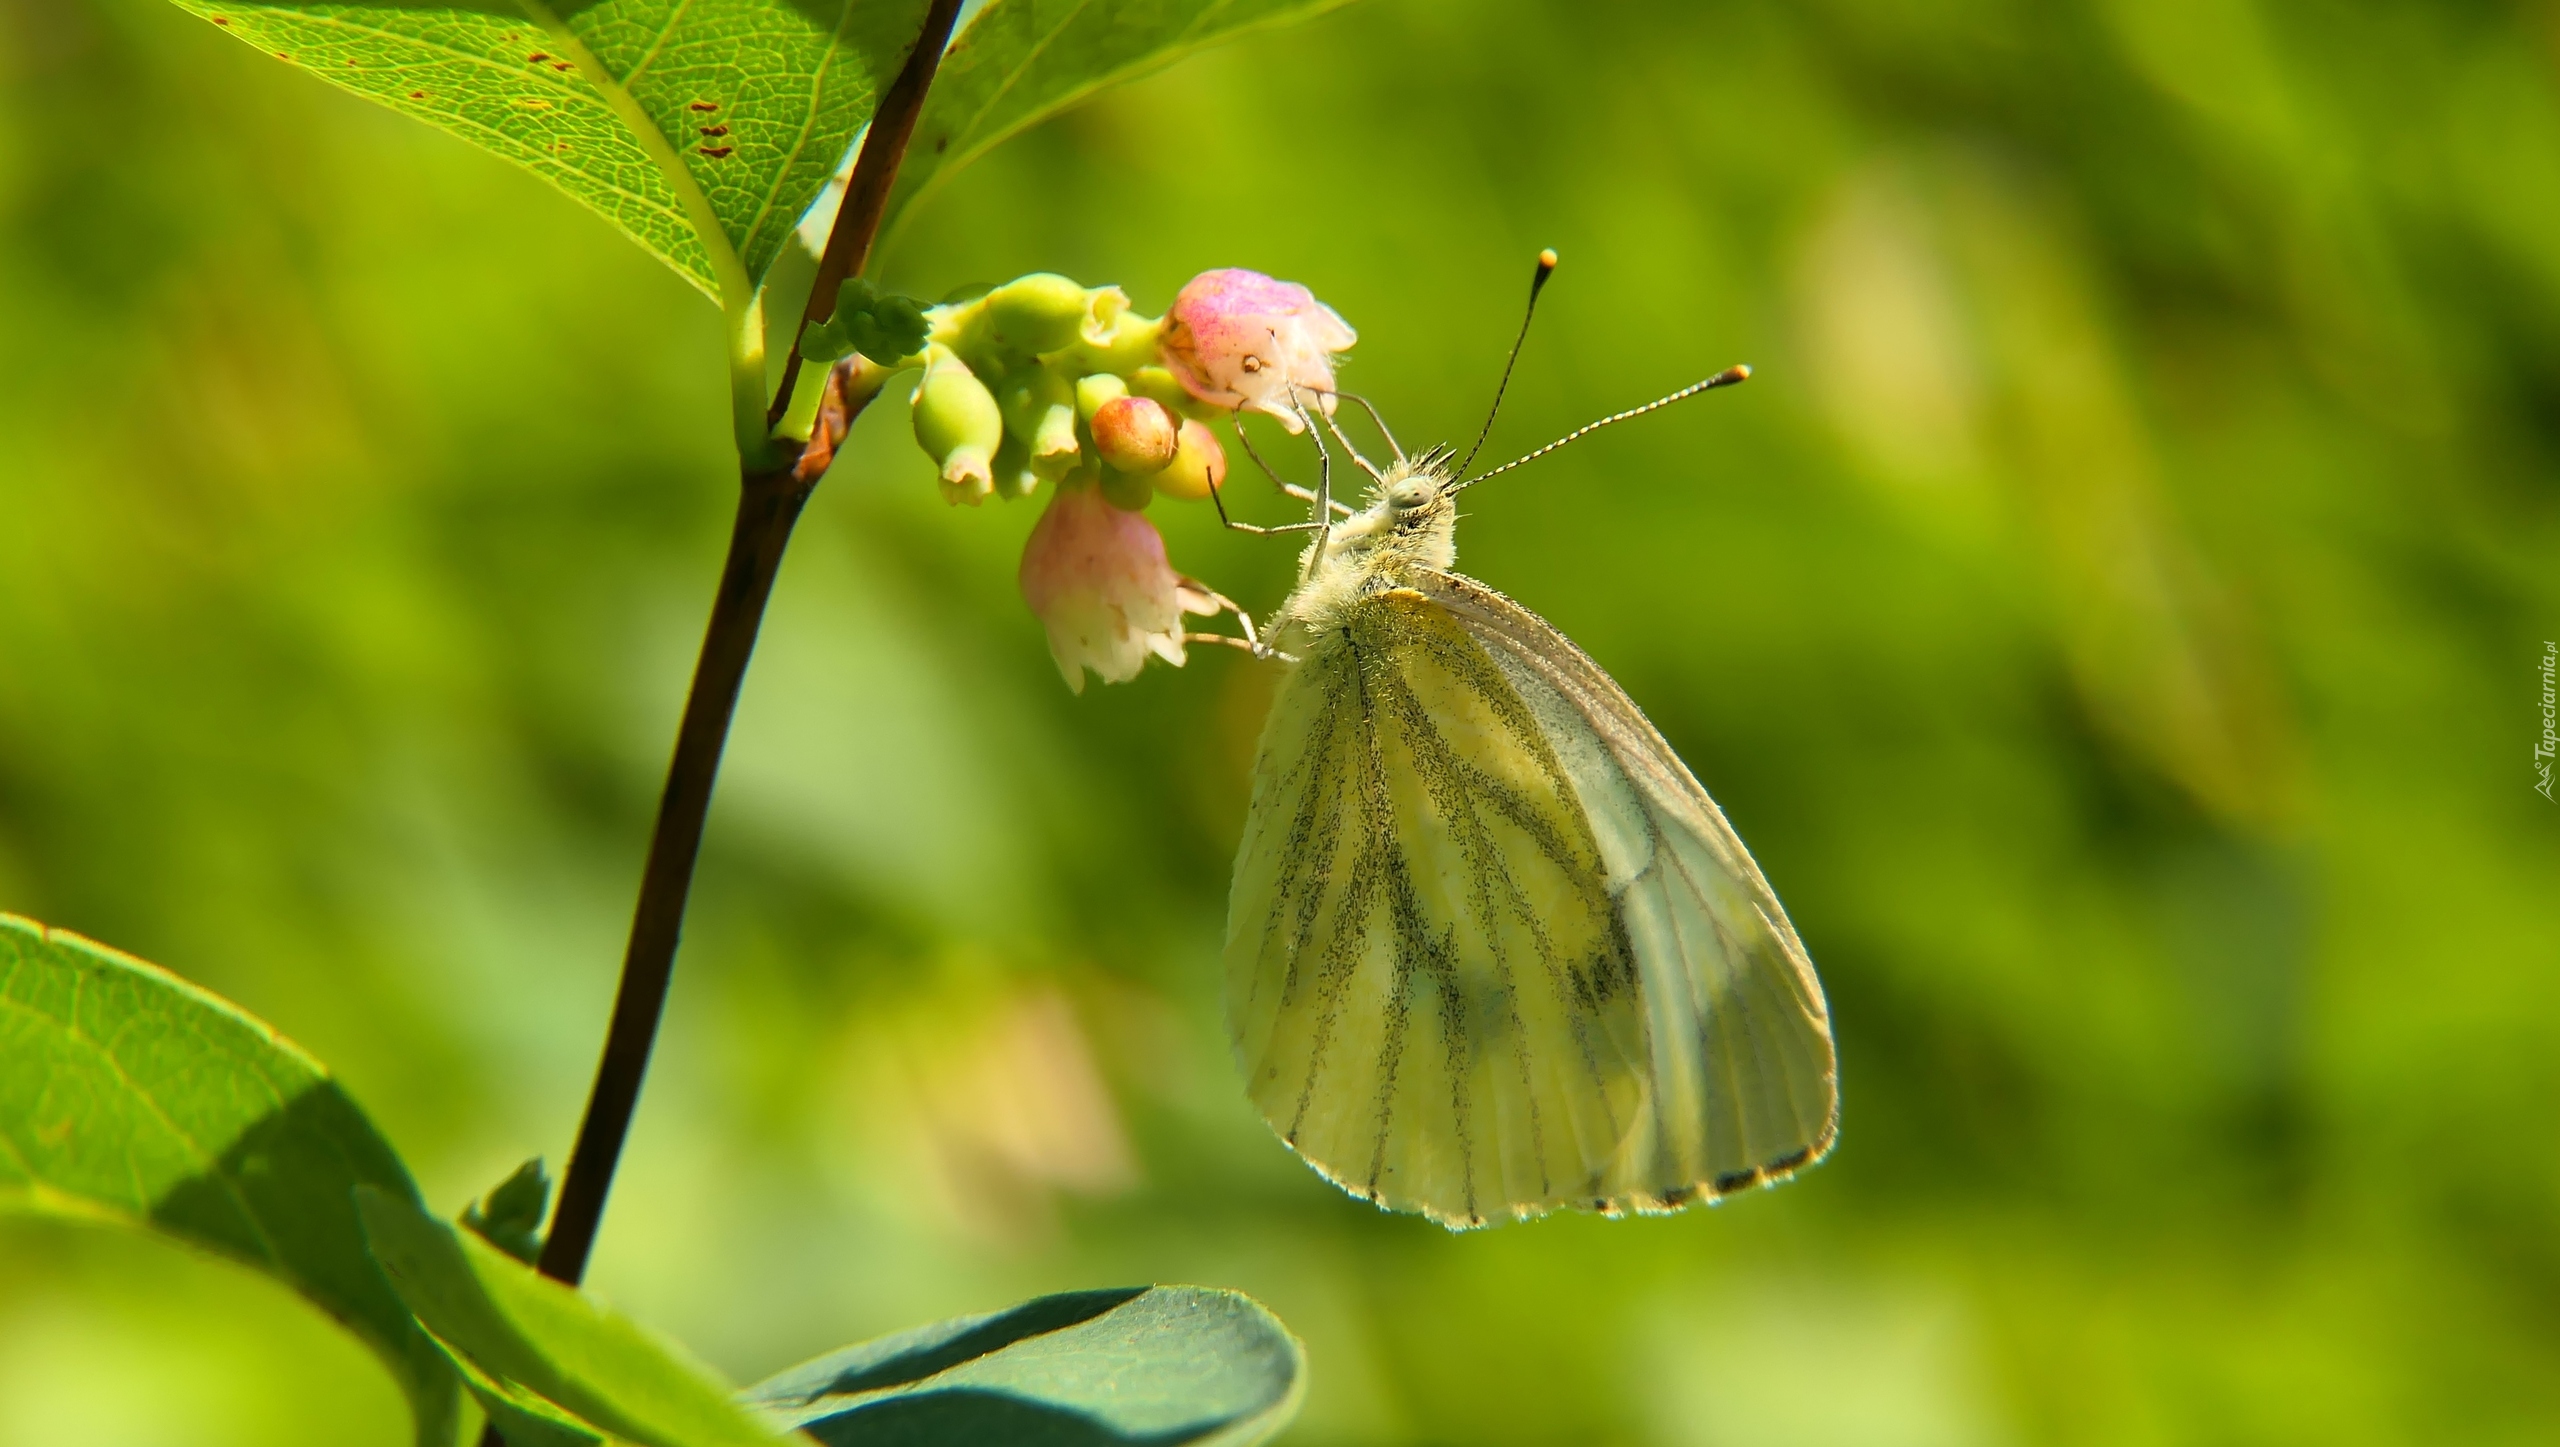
(1547, 259)
(1742, 371)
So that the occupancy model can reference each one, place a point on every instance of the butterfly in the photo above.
(1491, 949)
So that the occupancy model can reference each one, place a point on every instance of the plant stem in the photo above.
(769, 502)
(866, 191)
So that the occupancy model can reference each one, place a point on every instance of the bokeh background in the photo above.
(2111, 615)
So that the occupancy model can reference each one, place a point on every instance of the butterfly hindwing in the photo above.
(1491, 950)
(1429, 990)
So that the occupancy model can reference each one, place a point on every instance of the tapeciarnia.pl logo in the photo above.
(2542, 749)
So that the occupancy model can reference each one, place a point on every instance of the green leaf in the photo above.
(522, 1418)
(704, 128)
(129, 1095)
(552, 1340)
(884, 326)
(1156, 1365)
(510, 1216)
(1022, 61)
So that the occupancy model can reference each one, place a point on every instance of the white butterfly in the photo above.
(1491, 949)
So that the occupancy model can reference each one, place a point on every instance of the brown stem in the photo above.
(769, 503)
(866, 191)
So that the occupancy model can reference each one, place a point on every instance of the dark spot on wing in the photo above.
(1732, 1181)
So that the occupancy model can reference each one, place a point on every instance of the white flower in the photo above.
(1097, 578)
(1240, 339)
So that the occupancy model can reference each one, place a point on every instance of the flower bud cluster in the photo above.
(1017, 381)
(1046, 382)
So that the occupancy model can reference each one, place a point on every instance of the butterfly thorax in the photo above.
(1411, 523)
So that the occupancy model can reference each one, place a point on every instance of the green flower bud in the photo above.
(1040, 408)
(1158, 384)
(959, 426)
(1112, 337)
(1199, 465)
(1127, 492)
(1095, 391)
(1015, 475)
(1033, 314)
(1135, 435)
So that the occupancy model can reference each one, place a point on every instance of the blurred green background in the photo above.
(2111, 616)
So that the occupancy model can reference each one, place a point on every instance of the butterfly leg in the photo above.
(1383, 430)
(1364, 464)
(1302, 494)
(1216, 496)
(1218, 602)
(1324, 491)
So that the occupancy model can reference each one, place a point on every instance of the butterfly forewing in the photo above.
(1491, 949)
(1431, 995)
(1744, 1080)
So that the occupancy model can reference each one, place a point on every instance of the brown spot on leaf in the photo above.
(222, 20)
(538, 57)
(715, 130)
(417, 95)
(717, 153)
(704, 105)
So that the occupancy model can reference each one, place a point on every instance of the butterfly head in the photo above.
(1411, 518)
(1414, 493)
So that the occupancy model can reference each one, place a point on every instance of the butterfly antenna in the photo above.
(1725, 378)
(1537, 283)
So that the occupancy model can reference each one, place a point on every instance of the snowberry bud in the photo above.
(1037, 313)
(1135, 435)
(1128, 492)
(1039, 407)
(958, 424)
(1015, 475)
(1240, 339)
(1199, 465)
(1112, 338)
(1159, 385)
(1094, 391)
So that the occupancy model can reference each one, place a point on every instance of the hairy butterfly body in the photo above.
(1491, 949)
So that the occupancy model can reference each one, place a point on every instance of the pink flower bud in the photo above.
(1199, 465)
(1134, 434)
(1240, 339)
(1096, 577)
